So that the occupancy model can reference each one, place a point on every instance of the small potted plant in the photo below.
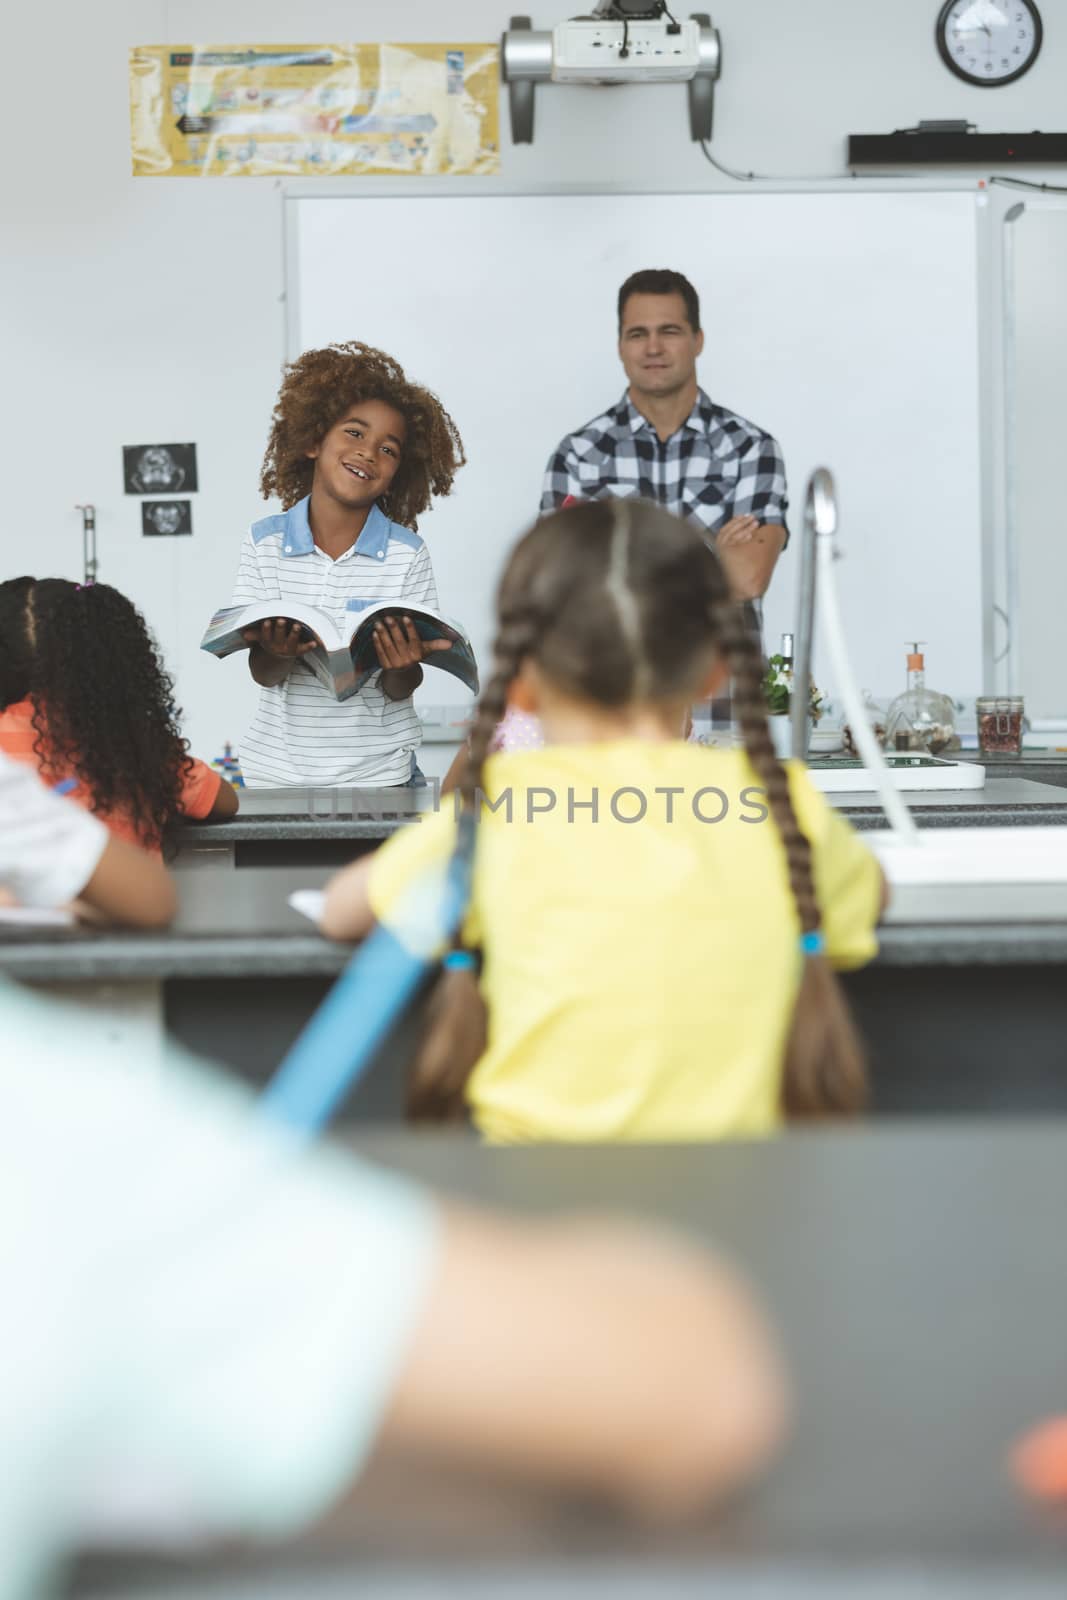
(778, 694)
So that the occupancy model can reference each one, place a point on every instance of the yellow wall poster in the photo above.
(314, 110)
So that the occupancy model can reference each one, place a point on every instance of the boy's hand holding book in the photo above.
(398, 644)
(400, 653)
(385, 640)
(279, 636)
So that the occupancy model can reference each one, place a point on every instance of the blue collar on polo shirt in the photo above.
(297, 538)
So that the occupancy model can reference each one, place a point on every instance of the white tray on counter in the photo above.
(910, 772)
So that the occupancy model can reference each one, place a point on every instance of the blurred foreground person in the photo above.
(53, 853)
(210, 1326)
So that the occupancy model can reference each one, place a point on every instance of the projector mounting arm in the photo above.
(702, 86)
(528, 56)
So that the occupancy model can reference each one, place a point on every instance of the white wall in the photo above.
(142, 310)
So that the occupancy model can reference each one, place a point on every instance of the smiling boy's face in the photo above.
(358, 459)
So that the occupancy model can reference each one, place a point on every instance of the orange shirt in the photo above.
(199, 787)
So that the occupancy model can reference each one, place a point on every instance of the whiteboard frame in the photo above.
(998, 593)
(1008, 204)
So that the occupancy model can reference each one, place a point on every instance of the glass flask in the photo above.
(920, 718)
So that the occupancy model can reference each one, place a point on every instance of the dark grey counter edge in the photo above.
(871, 819)
(137, 957)
(282, 1576)
(140, 957)
(199, 836)
(997, 944)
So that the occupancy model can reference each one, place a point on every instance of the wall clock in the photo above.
(990, 42)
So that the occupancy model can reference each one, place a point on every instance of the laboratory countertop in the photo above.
(1023, 764)
(1003, 802)
(314, 814)
(369, 815)
(239, 924)
(912, 1275)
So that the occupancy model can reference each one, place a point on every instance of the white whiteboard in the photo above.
(843, 323)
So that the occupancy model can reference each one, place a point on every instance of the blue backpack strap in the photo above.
(338, 1044)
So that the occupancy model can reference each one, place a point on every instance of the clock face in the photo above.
(989, 41)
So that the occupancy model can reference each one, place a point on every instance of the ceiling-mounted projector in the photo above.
(623, 41)
(593, 52)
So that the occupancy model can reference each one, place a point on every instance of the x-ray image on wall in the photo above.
(159, 468)
(162, 517)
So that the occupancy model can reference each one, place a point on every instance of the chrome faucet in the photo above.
(820, 518)
(817, 555)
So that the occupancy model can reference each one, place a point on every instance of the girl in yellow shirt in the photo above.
(656, 924)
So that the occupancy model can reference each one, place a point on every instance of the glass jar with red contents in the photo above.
(1000, 724)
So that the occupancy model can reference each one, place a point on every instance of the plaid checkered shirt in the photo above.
(716, 466)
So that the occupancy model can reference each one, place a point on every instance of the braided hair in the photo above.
(824, 1071)
(618, 602)
(103, 705)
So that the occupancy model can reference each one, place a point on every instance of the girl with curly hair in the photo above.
(84, 698)
(355, 454)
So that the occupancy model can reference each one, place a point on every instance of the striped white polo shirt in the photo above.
(300, 734)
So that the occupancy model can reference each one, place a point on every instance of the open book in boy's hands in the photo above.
(344, 662)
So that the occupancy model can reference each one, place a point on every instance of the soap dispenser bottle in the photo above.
(920, 719)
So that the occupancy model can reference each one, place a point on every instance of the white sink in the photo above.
(909, 772)
(974, 855)
(975, 875)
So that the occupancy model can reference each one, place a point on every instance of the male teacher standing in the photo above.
(666, 441)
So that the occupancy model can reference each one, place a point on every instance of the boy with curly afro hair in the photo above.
(355, 454)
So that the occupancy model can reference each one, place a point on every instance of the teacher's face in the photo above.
(657, 346)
